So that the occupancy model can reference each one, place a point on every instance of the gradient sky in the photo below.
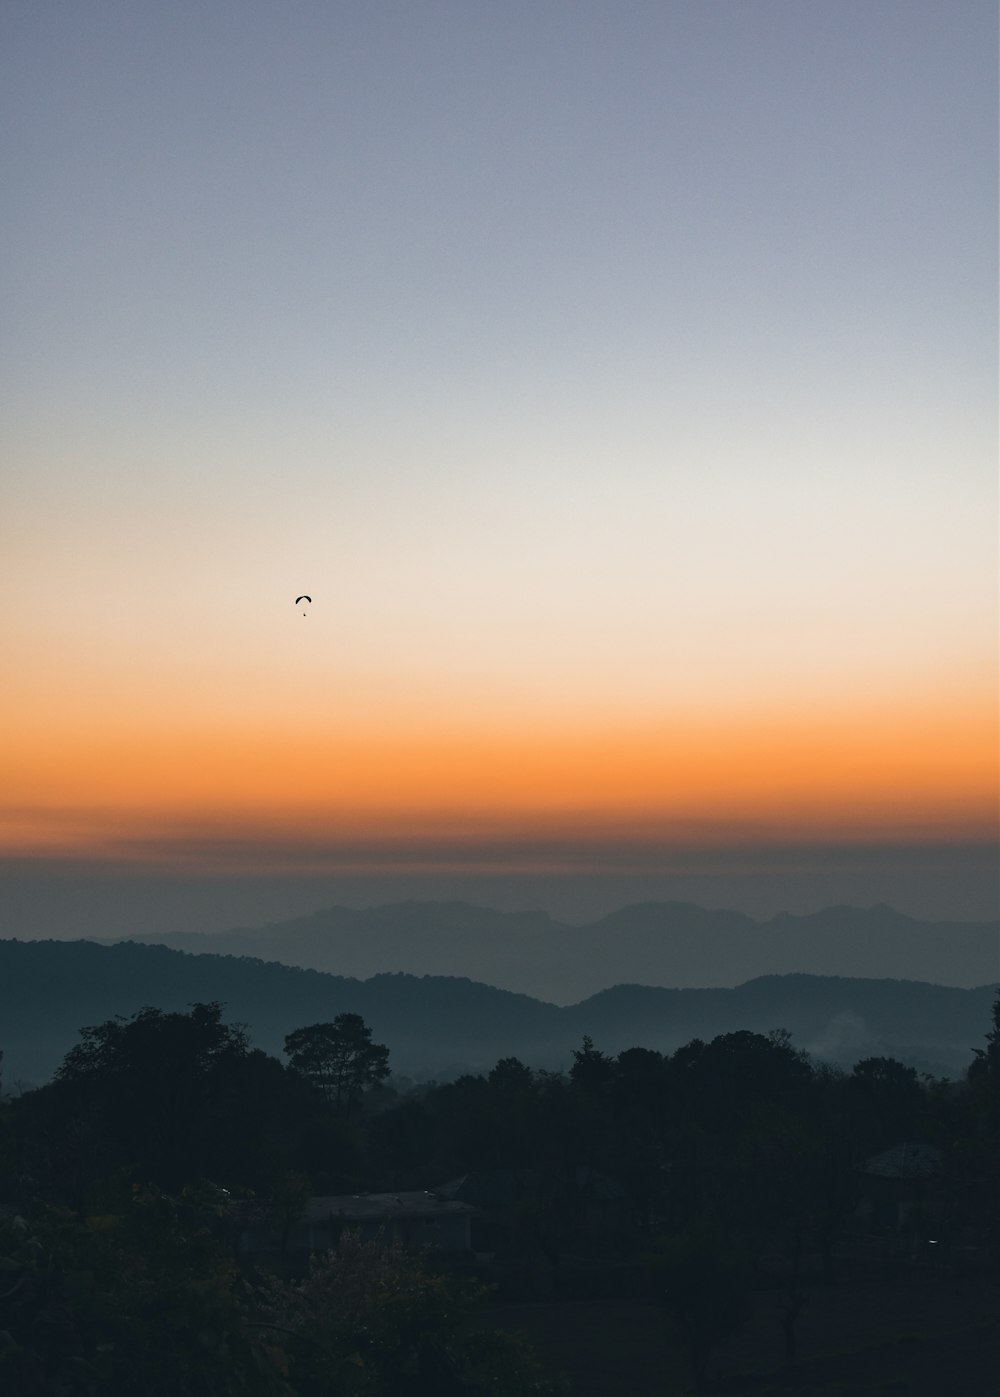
(619, 380)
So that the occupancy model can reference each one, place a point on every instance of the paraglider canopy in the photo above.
(303, 598)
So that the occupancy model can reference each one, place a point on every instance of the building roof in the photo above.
(496, 1188)
(911, 1159)
(492, 1188)
(367, 1207)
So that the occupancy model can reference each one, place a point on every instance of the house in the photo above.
(586, 1202)
(419, 1219)
(901, 1192)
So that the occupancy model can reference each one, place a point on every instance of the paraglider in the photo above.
(303, 598)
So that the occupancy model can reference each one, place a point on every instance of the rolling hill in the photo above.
(669, 944)
(443, 1025)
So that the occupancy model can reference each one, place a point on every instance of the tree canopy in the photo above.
(339, 1058)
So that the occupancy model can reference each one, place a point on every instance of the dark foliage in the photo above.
(720, 1168)
(339, 1058)
(161, 1099)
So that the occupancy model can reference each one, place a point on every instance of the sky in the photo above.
(620, 381)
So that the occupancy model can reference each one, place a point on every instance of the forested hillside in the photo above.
(440, 1026)
(162, 1205)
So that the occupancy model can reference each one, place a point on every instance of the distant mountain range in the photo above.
(441, 1026)
(656, 943)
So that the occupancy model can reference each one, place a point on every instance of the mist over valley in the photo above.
(670, 944)
(440, 1026)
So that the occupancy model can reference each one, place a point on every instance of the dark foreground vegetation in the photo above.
(653, 1223)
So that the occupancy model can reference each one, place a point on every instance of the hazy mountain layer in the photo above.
(442, 1026)
(655, 943)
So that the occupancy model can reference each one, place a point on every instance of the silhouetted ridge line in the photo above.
(654, 943)
(444, 1025)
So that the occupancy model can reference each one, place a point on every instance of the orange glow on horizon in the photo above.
(885, 775)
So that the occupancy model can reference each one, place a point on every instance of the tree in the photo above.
(981, 1149)
(737, 1071)
(145, 1303)
(402, 1141)
(339, 1058)
(706, 1287)
(636, 1155)
(162, 1098)
(987, 1063)
(592, 1070)
(888, 1102)
(510, 1074)
(368, 1321)
(150, 1085)
(480, 1124)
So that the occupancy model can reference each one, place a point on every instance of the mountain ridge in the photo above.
(444, 1025)
(671, 944)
